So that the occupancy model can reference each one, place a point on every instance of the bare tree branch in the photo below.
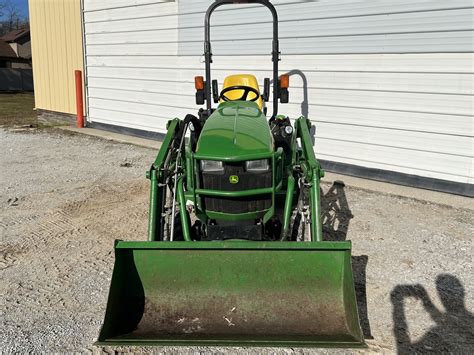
(10, 17)
(3, 5)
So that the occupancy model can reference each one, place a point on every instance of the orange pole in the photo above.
(79, 99)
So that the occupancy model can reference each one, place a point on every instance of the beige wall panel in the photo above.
(56, 36)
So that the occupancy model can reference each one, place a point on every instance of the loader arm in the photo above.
(157, 177)
(312, 173)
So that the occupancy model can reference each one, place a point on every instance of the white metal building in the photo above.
(388, 84)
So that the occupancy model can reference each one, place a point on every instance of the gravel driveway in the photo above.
(65, 198)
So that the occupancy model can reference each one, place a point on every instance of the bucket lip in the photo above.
(234, 343)
(235, 245)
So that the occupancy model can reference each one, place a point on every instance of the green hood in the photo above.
(237, 130)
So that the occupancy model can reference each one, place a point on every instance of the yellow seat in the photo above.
(242, 80)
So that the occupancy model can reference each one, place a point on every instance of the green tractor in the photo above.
(235, 252)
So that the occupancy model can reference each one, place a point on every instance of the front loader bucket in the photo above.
(232, 293)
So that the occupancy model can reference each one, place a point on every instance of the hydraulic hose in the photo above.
(153, 206)
(183, 214)
(316, 227)
(288, 206)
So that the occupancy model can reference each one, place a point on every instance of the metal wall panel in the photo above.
(388, 84)
(56, 41)
(121, 37)
(326, 27)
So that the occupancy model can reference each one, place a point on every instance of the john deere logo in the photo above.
(233, 179)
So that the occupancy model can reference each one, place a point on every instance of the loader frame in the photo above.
(310, 169)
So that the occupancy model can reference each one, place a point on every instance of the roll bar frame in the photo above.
(208, 50)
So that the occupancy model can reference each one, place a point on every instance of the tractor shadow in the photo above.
(336, 216)
(359, 268)
(335, 212)
(454, 329)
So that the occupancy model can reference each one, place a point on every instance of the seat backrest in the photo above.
(246, 80)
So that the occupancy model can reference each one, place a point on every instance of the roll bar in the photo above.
(208, 51)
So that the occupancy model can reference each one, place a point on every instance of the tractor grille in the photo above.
(247, 181)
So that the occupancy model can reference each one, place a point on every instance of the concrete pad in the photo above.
(430, 196)
(351, 181)
(117, 137)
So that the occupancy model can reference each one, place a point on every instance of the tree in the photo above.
(10, 17)
(3, 5)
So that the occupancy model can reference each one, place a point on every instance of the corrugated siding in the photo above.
(56, 40)
(389, 84)
(119, 79)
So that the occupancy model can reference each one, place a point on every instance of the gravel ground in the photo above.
(65, 198)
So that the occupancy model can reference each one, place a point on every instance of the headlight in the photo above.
(257, 165)
(211, 166)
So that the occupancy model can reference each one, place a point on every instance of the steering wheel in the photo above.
(246, 89)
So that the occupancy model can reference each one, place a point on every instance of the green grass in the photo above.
(17, 109)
